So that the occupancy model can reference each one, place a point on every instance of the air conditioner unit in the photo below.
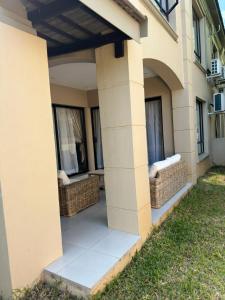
(219, 102)
(216, 67)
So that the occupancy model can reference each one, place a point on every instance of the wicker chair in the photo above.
(167, 183)
(78, 195)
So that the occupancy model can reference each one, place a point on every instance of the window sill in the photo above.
(202, 157)
(161, 19)
(199, 65)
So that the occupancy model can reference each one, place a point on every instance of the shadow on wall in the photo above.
(164, 72)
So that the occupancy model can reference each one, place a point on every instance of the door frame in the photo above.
(149, 99)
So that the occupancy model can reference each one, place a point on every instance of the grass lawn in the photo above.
(184, 258)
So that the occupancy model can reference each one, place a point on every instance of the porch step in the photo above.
(88, 270)
(93, 253)
(160, 214)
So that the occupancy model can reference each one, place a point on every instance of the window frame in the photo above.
(200, 142)
(197, 36)
(81, 109)
(168, 10)
(149, 99)
(93, 136)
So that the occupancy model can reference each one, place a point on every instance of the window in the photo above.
(97, 138)
(200, 127)
(70, 139)
(166, 6)
(197, 36)
(154, 127)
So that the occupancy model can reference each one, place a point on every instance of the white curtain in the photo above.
(97, 139)
(69, 132)
(154, 129)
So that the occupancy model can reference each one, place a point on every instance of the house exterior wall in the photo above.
(27, 157)
(167, 49)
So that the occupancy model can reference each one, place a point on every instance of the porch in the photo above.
(92, 252)
(120, 88)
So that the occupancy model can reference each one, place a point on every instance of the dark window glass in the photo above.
(167, 6)
(154, 128)
(164, 7)
(97, 138)
(70, 139)
(197, 36)
(200, 127)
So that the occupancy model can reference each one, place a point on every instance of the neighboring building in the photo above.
(158, 51)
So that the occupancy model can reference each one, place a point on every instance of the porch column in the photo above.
(29, 208)
(122, 111)
(183, 100)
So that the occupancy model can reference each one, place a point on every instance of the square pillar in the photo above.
(29, 207)
(122, 111)
(184, 106)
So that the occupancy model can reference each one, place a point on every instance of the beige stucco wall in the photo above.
(218, 151)
(166, 62)
(202, 90)
(203, 166)
(93, 100)
(27, 157)
(68, 96)
(155, 87)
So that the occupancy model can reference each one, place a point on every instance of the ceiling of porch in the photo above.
(69, 26)
(80, 75)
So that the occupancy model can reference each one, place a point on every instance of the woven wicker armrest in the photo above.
(167, 183)
(78, 195)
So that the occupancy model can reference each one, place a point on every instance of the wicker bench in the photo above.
(78, 195)
(167, 183)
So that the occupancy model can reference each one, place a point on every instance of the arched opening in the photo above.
(165, 72)
(159, 81)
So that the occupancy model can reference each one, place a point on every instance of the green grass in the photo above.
(184, 258)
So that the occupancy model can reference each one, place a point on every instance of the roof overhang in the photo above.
(124, 16)
(76, 25)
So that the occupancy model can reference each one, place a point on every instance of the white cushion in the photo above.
(160, 165)
(79, 178)
(62, 175)
(175, 158)
(157, 166)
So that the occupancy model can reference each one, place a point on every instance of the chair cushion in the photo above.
(79, 178)
(160, 165)
(62, 175)
(175, 158)
(157, 166)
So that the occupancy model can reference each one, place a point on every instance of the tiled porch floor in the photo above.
(91, 249)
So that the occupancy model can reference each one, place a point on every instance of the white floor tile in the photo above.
(70, 253)
(117, 243)
(91, 249)
(88, 269)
